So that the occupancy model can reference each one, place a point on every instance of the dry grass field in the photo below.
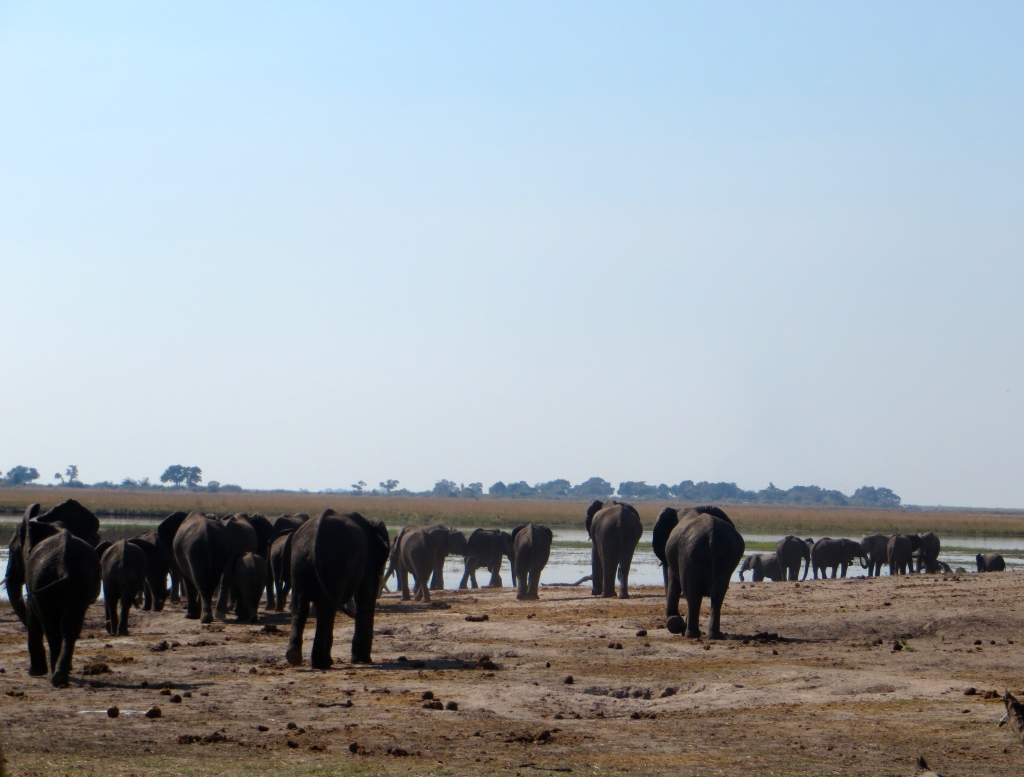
(470, 513)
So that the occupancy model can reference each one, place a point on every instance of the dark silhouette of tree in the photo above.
(389, 485)
(445, 488)
(553, 488)
(174, 474)
(358, 487)
(20, 475)
(868, 496)
(594, 488)
(193, 476)
(498, 489)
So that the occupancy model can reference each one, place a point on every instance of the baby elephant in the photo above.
(123, 567)
(248, 579)
(531, 546)
(990, 562)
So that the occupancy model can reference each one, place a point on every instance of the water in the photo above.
(570, 557)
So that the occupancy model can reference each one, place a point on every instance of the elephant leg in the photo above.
(147, 597)
(323, 638)
(191, 600)
(693, 602)
(496, 581)
(362, 633)
(609, 567)
(673, 590)
(842, 569)
(596, 572)
(717, 598)
(534, 583)
(110, 612)
(221, 610)
(122, 623)
(69, 631)
(36, 651)
(300, 614)
(271, 602)
(403, 582)
(522, 584)
(624, 566)
(463, 583)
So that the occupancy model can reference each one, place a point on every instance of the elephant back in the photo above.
(79, 520)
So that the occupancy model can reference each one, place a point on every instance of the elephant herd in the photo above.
(336, 562)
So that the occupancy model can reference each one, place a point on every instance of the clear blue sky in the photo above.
(304, 244)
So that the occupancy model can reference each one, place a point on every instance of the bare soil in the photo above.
(829, 695)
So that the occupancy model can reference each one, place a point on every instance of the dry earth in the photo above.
(830, 696)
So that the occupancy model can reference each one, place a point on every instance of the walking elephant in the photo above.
(875, 548)
(242, 538)
(337, 560)
(61, 573)
(248, 579)
(531, 548)
(928, 554)
(154, 587)
(123, 568)
(700, 549)
(790, 552)
(835, 554)
(280, 567)
(761, 566)
(202, 550)
(990, 562)
(421, 551)
(486, 548)
(900, 553)
(614, 529)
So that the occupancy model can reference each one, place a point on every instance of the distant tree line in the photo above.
(176, 476)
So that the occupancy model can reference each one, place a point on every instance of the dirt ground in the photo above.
(829, 695)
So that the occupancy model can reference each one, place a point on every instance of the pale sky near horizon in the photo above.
(304, 244)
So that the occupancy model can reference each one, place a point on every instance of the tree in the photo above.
(18, 476)
(193, 476)
(559, 487)
(473, 490)
(389, 485)
(445, 488)
(594, 488)
(498, 489)
(637, 489)
(358, 487)
(173, 474)
(869, 496)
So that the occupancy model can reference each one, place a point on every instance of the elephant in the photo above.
(202, 551)
(421, 550)
(837, 554)
(485, 548)
(248, 579)
(614, 529)
(875, 549)
(61, 573)
(283, 522)
(990, 562)
(761, 566)
(790, 551)
(928, 554)
(163, 539)
(336, 562)
(123, 567)
(154, 588)
(243, 539)
(280, 566)
(75, 518)
(900, 552)
(700, 549)
(531, 548)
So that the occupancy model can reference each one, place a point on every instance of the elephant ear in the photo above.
(516, 531)
(79, 520)
(102, 547)
(717, 512)
(31, 511)
(667, 521)
(169, 527)
(596, 505)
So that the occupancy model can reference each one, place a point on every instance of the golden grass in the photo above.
(470, 513)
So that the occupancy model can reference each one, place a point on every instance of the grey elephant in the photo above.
(900, 552)
(123, 569)
(486, 548)
(202, 550)
(280, 567)
(790, 552)
(420, 551)
(928, 554)
(454, 545)
(836, 555)
(531, 548)
(614, 529)
(875, 549)
(762, 566)
(242, 538)
(61, 573)
(248, 579)
(990, 562)
(700, 549)
(154, 588)
(337, 563)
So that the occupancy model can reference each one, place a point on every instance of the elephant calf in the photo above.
(532, 546)
(123, 566)
(761, 566)
(990, 562)
(248, 579)
(486, 548)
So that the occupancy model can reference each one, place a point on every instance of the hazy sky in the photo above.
(301, 244)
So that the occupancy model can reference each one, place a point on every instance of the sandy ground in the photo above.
(829, 696)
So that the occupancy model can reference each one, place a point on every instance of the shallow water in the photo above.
(570, 557)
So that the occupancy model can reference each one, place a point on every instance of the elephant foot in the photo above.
(361, 659)
(192, 616)
(716, 635)
(221, 615)
(321, 663)
(59, 679)
(693, 633)
(207, 618)
(675, 624)
(595, 592)
(37, 671)
(608, 596)
(122, 632)
(294, 656)
(624, 595)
